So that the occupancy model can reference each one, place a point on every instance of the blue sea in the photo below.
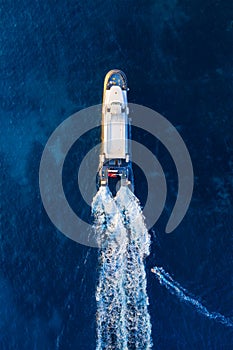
(53, 58)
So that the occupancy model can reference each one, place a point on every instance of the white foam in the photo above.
(183, 295)
(123, 321)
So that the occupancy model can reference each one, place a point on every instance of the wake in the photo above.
(123, 321)
(176, 289)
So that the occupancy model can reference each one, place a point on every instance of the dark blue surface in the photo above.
(176, 55)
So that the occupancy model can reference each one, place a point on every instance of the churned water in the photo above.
(123, 321)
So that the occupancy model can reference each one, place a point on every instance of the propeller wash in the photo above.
(123, 321)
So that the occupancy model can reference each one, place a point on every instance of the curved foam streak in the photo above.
(176, 289)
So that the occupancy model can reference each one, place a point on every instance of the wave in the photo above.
(183, 295)
(123, 321)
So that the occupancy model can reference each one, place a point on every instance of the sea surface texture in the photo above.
(177, 58)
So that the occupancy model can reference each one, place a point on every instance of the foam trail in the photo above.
(137, 318)
(110, 293)
(174, 288)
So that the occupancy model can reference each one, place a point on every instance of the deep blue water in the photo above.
(177, 57)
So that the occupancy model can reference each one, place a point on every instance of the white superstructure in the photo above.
(115, 150)
(115, 124)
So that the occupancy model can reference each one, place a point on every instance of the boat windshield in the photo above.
(117, 79)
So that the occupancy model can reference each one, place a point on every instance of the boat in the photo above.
(115, 161)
